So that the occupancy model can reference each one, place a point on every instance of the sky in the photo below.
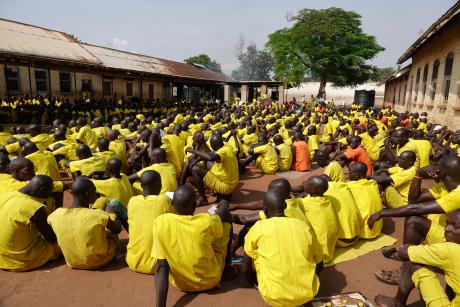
(178, 29)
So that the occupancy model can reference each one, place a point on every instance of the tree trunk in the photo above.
(322, 89)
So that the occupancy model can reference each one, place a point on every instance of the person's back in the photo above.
(194, 246)
(89, 165)
(267, 160)
(321, 216)
(302, 156)
(335, 171)
(285, 157)
(115, 188)
(226, 170)
(167, 172)
(290, 242)
(367, 197)
(22, 246)
(45, 164)
(87, 136)
(142, 212)
(82, 236)
(349, 220)
(174, 147)
(425, 150)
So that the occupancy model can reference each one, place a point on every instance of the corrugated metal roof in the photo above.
(432, 30)
(118, 59)
(23, 39)
(29, 40)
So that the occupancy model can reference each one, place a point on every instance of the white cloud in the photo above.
(120, 44)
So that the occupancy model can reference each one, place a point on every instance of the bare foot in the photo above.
(384, 301)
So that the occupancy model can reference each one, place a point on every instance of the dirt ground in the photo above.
(116, 285)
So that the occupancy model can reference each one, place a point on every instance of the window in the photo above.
(107, 87)
(64, 82)
(417, 79)
(404, 95)
(41, 81)
(434, 79)
(12, 79)
(151, 91)
(447, 75)
(129, 89)
(166, 91)
(424, 79)
(86, 85)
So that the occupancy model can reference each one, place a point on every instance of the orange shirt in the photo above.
(302, 156)
(359, 155)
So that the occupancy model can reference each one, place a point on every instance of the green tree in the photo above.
(384, 73)
(205, 60)
(326, 45)
(254, 64)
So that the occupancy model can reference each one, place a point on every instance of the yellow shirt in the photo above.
(115, 188)
(69, 151)
(227, 168)
(267, 160)
(100, 132)
(248, 140)
(367, 198)
(89, 165)
(45, 164)
(167, 172)
(194, 246)
(451, 201)
(4, 136)
(313, 144)
(349, 220)
(42, 141)
(425, 149)
(402, 179)
(443, 256)
(289, 242)
(87, 136)
(22, 247)
(119, 148)
(335, 171)
(321, 216)
(143, 210)
(285, 157)
(294, 209)
(83, 238)
(174, 147)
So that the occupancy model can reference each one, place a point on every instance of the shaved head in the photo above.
(316, 185)
(184, 200)
(151, 182)
(273, 204)
(22, 169)
(282, 186)
(83, 191)
(39, 186)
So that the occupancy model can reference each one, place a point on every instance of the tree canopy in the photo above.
(327, 45)
(384, 73)
(254, 64)
(205, 60)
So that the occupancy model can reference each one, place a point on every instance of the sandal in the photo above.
(388, 277)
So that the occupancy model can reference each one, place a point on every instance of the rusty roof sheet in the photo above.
(23, 39)
(113, 58)
(432, 30)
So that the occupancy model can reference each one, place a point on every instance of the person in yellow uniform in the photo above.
(42, 140)
(249, 139)
(400, 138)
(85, 135)
(320, 214)
(103, 149)
(117, 146)
(160, 164)
(284, 153)
(282, 240)
(396, 181)
(223, 177)
(174, 147)
(87, 237)
(419, 228)
(26, 240)
(349, 221)
(4, 136)
(142, 212)
(44, 161)
(265, 156)
(424, 147)
(333, 169)
(417, 270)
(87, 163)
(367, 198)
(188, 271)
(313, 140)
(117, 186)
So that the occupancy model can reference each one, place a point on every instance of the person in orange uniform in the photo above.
(301, 161)
(357, 153)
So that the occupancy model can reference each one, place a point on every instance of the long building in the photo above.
(431, 82)
(39, 61)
